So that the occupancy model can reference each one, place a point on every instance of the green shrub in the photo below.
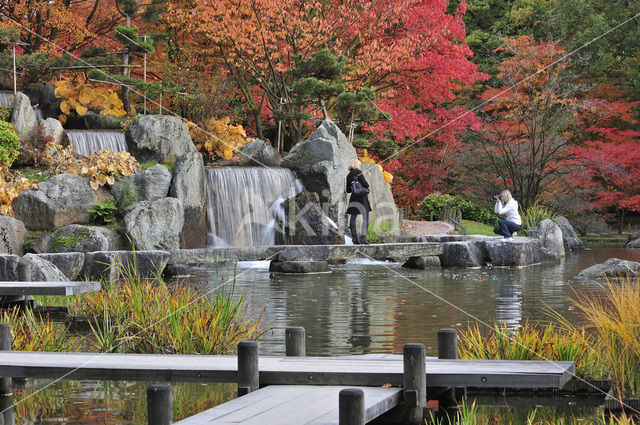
(103, 213)
(9, 144)
(5, 113)
(128, 196)
(433, 204)
(534, 215)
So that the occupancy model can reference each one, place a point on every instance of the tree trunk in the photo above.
(125, 72)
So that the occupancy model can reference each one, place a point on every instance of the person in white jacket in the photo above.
(507, 206)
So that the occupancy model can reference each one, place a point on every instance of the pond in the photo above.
(362, 307)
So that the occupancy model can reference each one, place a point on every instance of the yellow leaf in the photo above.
(65, 107)
(81, 110)
(62, 118)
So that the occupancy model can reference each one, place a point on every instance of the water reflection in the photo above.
(367, 307)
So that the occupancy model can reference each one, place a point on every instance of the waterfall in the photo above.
(85, 142)
(242, 204)
(6, 98)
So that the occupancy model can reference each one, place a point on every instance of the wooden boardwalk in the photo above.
(294, 404)
(352, 371)
(47, 288)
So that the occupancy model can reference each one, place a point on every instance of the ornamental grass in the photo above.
(607, 346)
(134, 314)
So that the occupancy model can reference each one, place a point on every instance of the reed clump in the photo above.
(607, 346)
(553, 341)
(613, 315)
(143, 315)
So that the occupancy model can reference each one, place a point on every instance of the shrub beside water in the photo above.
(433, 205)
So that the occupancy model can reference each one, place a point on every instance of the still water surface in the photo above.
(361, 307)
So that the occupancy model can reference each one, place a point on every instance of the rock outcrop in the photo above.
(551, 236)
(633, 241)
(8, 267)
(613, 267)
(63, 199)
(69, 263)
(464, 254)
(41, 270)
(13, 234)
(79, 238)
(305, 223)
(189, 185)
(51, 129)
(23, 117)
(569, 236)
(260, 154)
(159, 137)
(321, 163)
(518, 252)
(155, 225)
(150, 184)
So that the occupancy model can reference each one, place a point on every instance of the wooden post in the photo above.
(415, 383)
(351, 407)
(447, 349)
(294, 338)
(159, 405)
(5, 344)
(248, 373)
(6, 410)
(447, 344)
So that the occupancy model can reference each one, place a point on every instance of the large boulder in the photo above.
(23, 117)
(633, 241)
(297, 267)
(13, 234)
(159, 137)
(41, 270)
(305, 223)
(95, 121)
(155, 225)
(550, 235)
(463, 254)
(613, 267)
(114, 264)
(570, 238)
(49, 103)
(260, 153)
(321, 163)
(384, 213)
(63, 199)
(51, 131)
(423, 263)
(8, 267)
(78, 238)
(69, 263)
(518, 252)
(189, 185)
(152, 183)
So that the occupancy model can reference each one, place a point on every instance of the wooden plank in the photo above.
(294, 404)
(284, 370)
(47, 288)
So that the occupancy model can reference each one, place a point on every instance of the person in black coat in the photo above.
(358, 204)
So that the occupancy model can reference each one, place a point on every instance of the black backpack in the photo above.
(357, 188)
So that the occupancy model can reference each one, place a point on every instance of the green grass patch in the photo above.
(169, 165)
(35, 174)
(604, 241)
(475, 228)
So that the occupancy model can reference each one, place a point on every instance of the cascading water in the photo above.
(242, 204)
(6, 98)
(85, 142)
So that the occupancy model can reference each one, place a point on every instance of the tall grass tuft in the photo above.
(534, 215)
(32, 332)
(144, 315)
(557, 342)
(614, 316)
